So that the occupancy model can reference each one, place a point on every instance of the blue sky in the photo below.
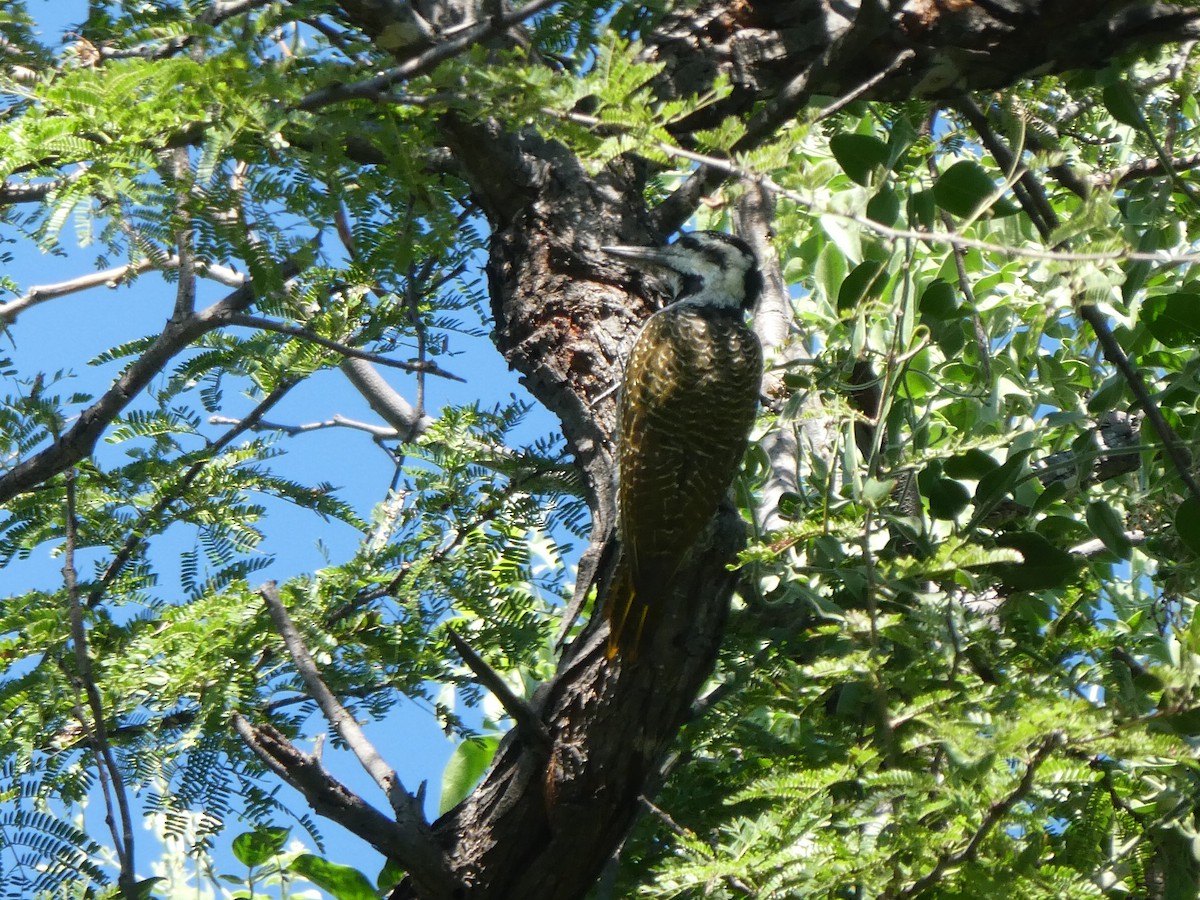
(66, 333)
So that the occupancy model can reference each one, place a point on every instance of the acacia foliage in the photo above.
(963, 657)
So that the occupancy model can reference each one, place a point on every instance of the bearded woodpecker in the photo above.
(685, 411)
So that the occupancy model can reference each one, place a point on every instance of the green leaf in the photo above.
(859, 155)
(1056, 490)
(466, 766)
(947, 498)
(342, 882)
(973, 464)
(922, 210)
(1173, 319)
(941, 314)
(1000, 482)
(253, 848)
(1043, 566)
(145, 888)
(865, 281)
(1187, 523)
(830, 270)
(884, 207)
(939, 302)
(1122, 105)
(876, 491)
(966, 186)
(1109, 394)
(389, 876)
(1107, 525)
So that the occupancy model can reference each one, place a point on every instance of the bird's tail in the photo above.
(628, 611)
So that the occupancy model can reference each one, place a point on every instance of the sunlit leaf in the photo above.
(465, 767)
(1174, 319)
(964, 188)
(859, 155)
(1109, 527)
(342, 882)
(253, 848)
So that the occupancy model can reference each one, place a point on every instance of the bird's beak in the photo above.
(659, 256)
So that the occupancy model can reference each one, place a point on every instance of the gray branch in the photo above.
(337, 715)
(330, 798)
(79, 440)
(410, 423)
(529, 723)
(110, 278)
(298, 331)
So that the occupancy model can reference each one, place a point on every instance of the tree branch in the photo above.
(931, 238)
(1027, 187)
(409, 423)
(529, 723)
(1145, 168)
(1034, 202)
(111, 278)
(1180, 458)
(299, 331)
(330, 798)
(423, 62)
(672, 213)
(12, 193)
(185, 290)
(337, 715)
(112, 782)
(79, 440)
(998, 811)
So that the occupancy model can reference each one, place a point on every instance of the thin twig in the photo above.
(110, 278)
(79, 440)
(411, 847)
(299, 331)
(855, 92)
(991, 819)
(906, 234)
(682, 202)
(417, 276)
(337, 421)
(451, 45)
(218, 12)
(529, 724)
(964, 282)
(112, 782)
(1046, 220)
(173, 491)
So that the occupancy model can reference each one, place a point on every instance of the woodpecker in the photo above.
(684, 415)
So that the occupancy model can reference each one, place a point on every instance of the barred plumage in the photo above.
(685, 412)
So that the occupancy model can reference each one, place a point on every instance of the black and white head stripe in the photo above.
(724, 253)
(712, 269)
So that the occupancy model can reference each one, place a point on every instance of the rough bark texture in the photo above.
(955, 45)
(542, 825)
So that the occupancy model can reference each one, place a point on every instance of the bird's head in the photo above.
(707, 268)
